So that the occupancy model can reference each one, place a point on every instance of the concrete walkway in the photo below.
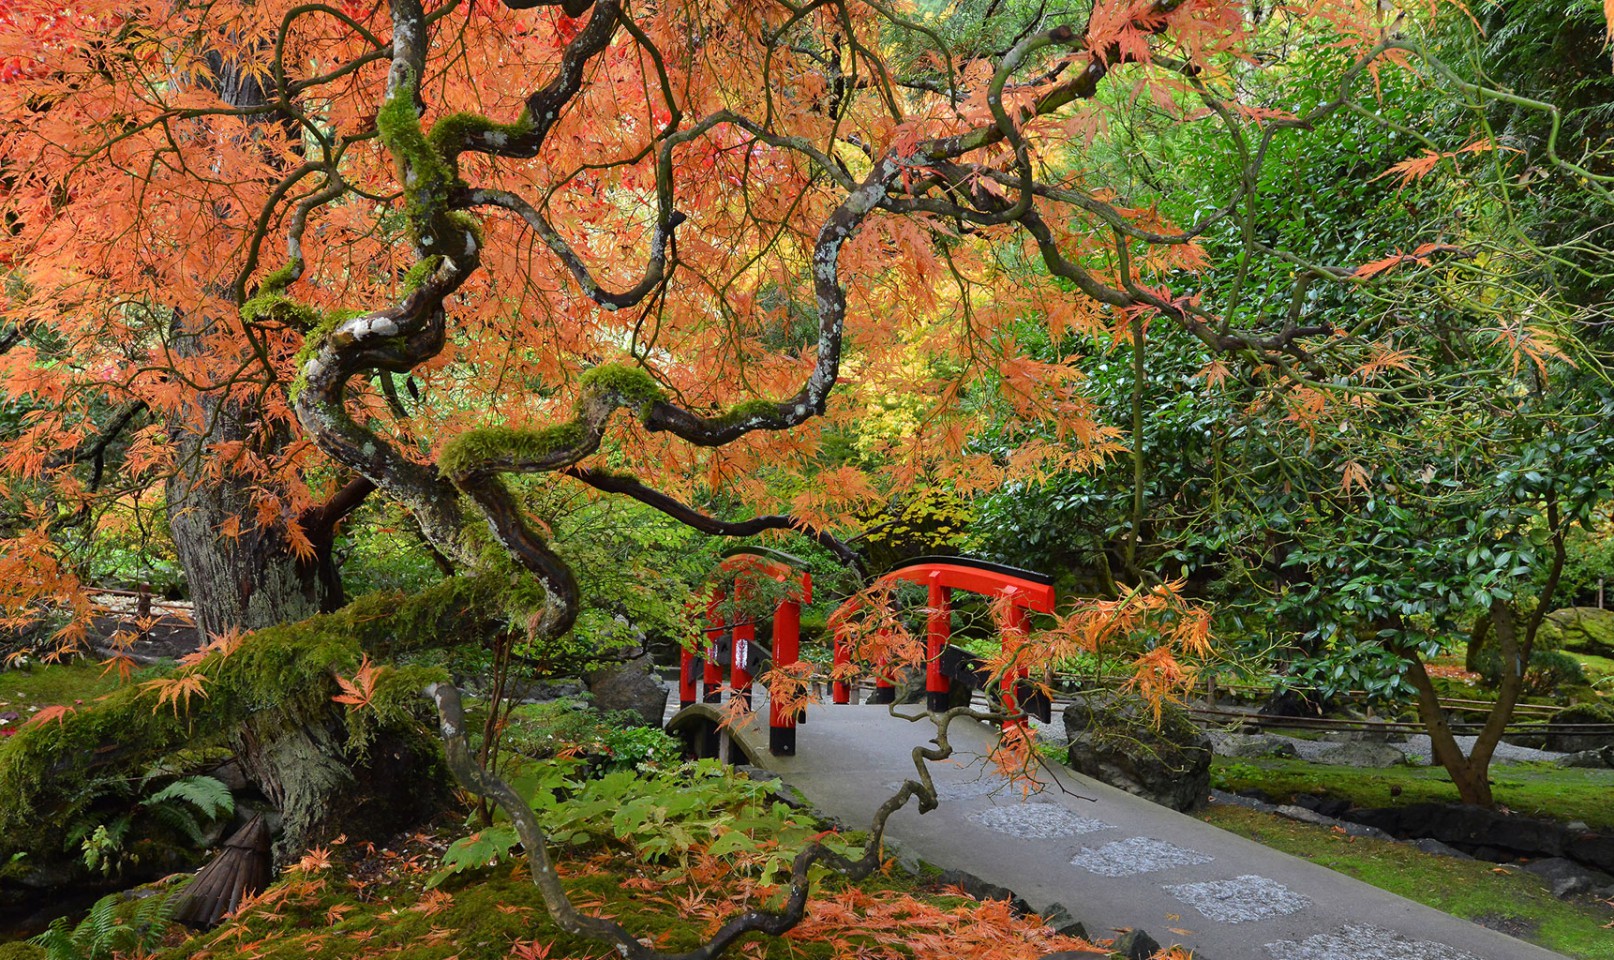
(1115, 861)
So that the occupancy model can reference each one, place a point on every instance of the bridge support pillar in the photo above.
(939, 628)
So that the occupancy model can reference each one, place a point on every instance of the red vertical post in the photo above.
(688, 664)
(786, 650)
(939, 631)
(841, 691)
(739, 664)
(884, 690)
(712, 675)
(739, 674)
(1019, 627)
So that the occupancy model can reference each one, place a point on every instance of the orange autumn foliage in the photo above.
(200, 199)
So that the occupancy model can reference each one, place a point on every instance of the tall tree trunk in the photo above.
(247, 580)
(244, 575)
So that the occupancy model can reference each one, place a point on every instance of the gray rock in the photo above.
(1365, 754)
(1431, 845)
(984, 890)
(1589, 759)
(1304, 815)
(1245, 746)
(1135, 945)
(631, 685)
(1114, 738)
(1566, 877)
(1251, 803)
(1058, 919)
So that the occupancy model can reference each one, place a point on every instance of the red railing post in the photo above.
(841, 691)
(712, 674)
(786, 650)
(939, 628)
(688, 665)
(739, 664)
(1019, 626)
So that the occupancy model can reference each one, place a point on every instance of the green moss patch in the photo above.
(1531, 789)
(476, 449)
(48, 768)
(631, 387)
(57, 684)
(1471, 889)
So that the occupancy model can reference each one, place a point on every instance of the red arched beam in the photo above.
(1024, 589)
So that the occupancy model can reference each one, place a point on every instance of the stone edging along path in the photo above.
(1117, 862)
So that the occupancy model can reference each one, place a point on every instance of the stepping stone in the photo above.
(1241, 899)
(1036, 821)
(1135, 855)
(1361, 941)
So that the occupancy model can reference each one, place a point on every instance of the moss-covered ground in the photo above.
(1504, 898)
(1531, 789)
(354, 904)
(26, 691)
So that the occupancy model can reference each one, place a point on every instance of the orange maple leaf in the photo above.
(57, 712)
(174, 689)
(1355, 475)
(359, 691)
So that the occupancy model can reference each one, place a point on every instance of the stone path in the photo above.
(1115, 861)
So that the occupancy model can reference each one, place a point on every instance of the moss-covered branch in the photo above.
(284, 675)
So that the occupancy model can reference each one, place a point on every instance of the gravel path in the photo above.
(1416, 748)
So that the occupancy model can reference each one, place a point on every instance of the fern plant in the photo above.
(183, 808)
(115, 925)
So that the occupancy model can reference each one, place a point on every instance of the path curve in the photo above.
(1114, 860)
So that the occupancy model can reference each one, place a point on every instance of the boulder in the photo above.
(1135, 945)
(1058, 919)
(1567, 731)
(1566, 877)
(1246, 746)
(630, 685)
(1432, 846)
(984, 890)
(1114, 738)
(1472, 828)
(1578, 629)
(1589, 759)
(1363, 753)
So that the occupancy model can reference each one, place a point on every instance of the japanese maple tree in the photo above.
(447, 251)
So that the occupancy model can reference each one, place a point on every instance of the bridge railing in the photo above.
(1026, 591)
(734, 644)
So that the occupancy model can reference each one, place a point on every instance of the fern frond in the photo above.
(208, 795)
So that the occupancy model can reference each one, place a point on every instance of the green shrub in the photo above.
(1549, 670)
(662, 815)
(617, 740)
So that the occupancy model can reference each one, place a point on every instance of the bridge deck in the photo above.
(1114, 860)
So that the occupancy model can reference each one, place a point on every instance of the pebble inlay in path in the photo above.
(1241, 899)
(1135, 855)
(1036, 821)
(1361, 941)
(967, 789)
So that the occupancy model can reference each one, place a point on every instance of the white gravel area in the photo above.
(1416, 748)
